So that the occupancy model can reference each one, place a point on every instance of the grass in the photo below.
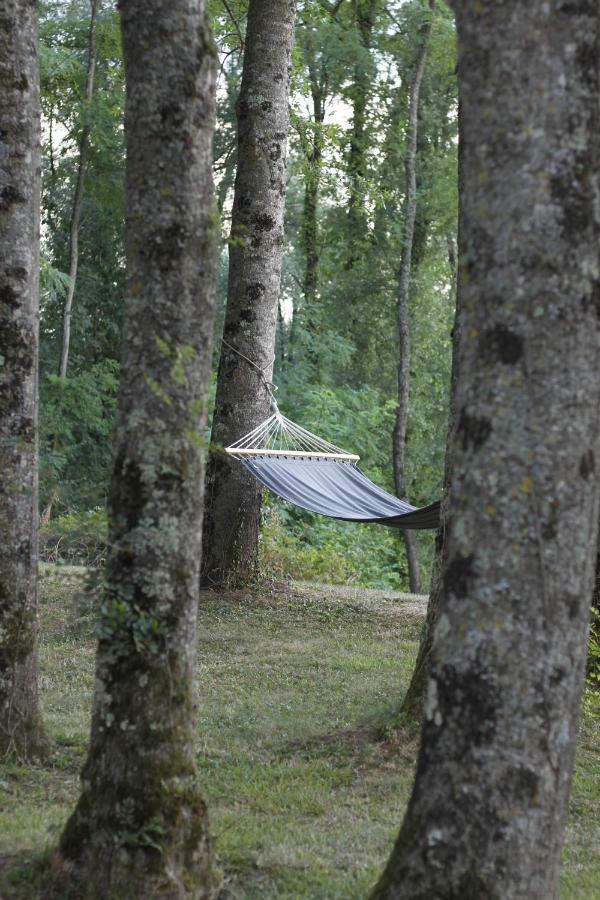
(294, 685)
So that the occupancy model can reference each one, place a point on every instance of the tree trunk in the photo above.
(412, 705)
(313, 153)
(21, 731)
(413, 702)
(255, 254)
(403, 301)
(593, 661)
(140, 826)
(364, 16)
(488, 808)
(84, 141)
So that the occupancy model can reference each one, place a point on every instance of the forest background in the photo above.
(337, 344)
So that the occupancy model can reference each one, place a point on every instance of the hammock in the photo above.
(316, 475)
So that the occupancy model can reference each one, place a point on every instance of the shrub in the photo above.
(295, 544)
(75, 539)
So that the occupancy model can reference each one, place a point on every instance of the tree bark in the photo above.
(21, 730)
(414, 699)
(231, 522)
(593, 662)
(403, 300)
(313, 152)
(84, 141)
(364, 17)
(413, 702)
(140, 826)
(487, 814)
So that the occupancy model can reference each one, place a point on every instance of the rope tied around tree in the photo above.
(270, 386)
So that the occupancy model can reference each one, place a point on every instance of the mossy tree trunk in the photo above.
(84, 141)
(403, 299)
(140, 826)
(233, 501)
(21, 731)
(488, 809)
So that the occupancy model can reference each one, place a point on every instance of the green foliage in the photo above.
(301, 546)
(79, 538)
(76, 431)
(124, 626)
(337, 354)
(64, 32)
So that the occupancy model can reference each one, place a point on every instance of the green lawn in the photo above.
(294, 686)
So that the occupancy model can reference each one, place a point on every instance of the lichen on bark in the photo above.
(21, 730)
(231, 522)
(487, 813)
(140, 827)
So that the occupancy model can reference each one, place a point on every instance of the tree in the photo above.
(487, 813)
(593, 661)
(21, 730)
(97, 311)
(255, 254)
(413, 702)
(84, 139)
(140, 826)
(312, 147)
(402, 304)
(364, 15)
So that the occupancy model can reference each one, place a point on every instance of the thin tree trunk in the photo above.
(414, 699)
(21, 730)
(140, 826)
(403, 300)
(313, 153)
(310, 236)
(488, 808)
(413, 703)
(84, 141)
(256, 249)
(364, 15)
(593, 662)
(49, 201)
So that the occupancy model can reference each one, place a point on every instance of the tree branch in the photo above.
(331, 8)
(235, 23)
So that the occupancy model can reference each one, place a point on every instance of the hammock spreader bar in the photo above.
(318, 476)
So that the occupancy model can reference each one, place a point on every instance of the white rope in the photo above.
(278, 436)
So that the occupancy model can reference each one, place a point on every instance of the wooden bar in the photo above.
(240, 451)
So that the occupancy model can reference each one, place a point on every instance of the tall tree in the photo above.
(255, 255)
(364, 13)
(84, 140)
(488, 808)
(413, 701)
(21, 730)
(140, 826)
(312, 146)
(403, 298)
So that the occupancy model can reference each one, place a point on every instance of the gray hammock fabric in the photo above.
(337, 488)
